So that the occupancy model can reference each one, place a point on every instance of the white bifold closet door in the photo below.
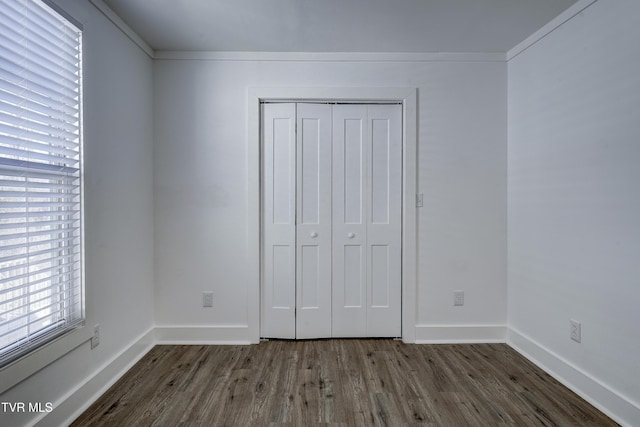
(278, 314)
(367, 200)
(313, 226)
(331, 220)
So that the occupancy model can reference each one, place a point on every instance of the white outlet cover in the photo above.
(207, 299)
(576, 331)
(458, 298)
(95, 340)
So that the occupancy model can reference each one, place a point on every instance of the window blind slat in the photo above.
(32, 224)
(29, 289)
(68, 268)
(46, 147)
(38, 121)
(42, 301)
(45, 114)
(15, 301)
(52, 163)
(34, 42)
(27, 61)
(50, 173)
(39, 102)
(67, 240)
(34, 242)
(33, 257)
(36, 214)
(26, 263)
(30, 195)
(41, 282)
(54, 310)
(57, 26)
(60, 103)
(27, 275)
(31, 294)
(26, 159)
(8, 183)
(23, 232)
(31, 205)
(31, 234)
(47, 28)
(31, 254)
(20, 22)
(65, 67)
(11, 114)
(26, 77)
(63, 100)
(34, 140)
(51, 312)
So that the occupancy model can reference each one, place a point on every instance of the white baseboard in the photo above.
(460, 334)
(74, 403)
(208, 335)
(618, 407)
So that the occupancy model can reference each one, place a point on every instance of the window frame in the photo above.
(57, 345)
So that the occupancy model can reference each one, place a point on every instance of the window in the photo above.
(41, 289)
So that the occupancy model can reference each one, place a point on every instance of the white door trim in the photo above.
(405, 95)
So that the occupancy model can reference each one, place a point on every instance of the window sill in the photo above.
(23, 368)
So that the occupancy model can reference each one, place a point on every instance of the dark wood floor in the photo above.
(339, 382)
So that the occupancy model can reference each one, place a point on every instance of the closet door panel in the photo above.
(278, 221)
(384, 185)
(313, 230)
(349, 316)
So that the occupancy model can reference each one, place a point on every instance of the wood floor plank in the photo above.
(347, 382)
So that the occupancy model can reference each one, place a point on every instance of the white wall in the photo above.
(200, 162)
(119, 216)
(574, 203)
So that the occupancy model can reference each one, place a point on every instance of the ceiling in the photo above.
(336, 25)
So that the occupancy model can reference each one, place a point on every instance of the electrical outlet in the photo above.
(207, 299)
(95, 340)
(575, 332)
(458, 298)
(419, 200)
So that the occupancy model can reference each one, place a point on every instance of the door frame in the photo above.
(407, 96)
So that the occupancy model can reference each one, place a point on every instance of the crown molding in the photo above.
(332, 56)
(555, 23)
(122, 26)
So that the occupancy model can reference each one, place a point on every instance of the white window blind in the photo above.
(41, 290)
